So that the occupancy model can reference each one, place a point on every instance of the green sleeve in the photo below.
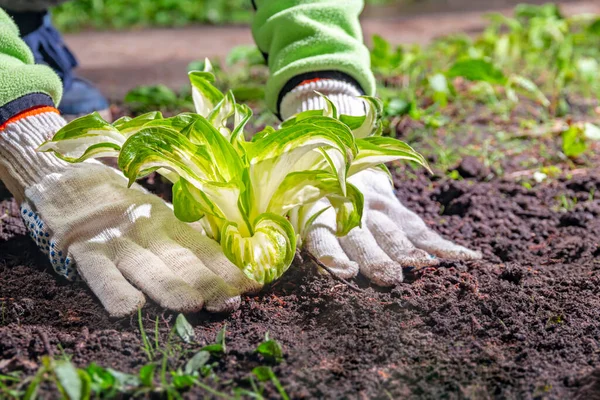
(308, 36)
(19, 76)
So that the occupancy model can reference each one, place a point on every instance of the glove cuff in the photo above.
(17, 108)
(21, 165)
(304, 97)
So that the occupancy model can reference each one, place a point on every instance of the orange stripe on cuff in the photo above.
(308, 81)
(29, 113)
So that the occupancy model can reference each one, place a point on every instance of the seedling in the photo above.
(184, 329)
(154, 379)
(7, 383)
(566, 203)
(146, 344)
(576, 139)
(218, 348)
(145, 98)
(483, 71)
(256, 198)
(266, 374)
(270, 349)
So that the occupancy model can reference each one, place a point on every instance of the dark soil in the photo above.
(522, 323)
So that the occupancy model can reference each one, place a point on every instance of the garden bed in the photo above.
(521, 323)
(517, 177)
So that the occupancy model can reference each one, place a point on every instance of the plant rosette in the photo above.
(256, 198)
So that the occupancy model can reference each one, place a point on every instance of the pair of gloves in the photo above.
(127, 244)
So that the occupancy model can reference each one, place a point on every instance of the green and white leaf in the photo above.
(265, 255)
(373, 120)
(177, 123)
(226, 163)
(243, 113)
(159, 147)
(86, 137)
(185, 205)
(303, 188)
(205, 95)
(128, 126)
(376, 150)
(273, 158)
(330, 109)
(330, 158)
(348, 209)
(303, 217)
(220, 115)
(303, 116)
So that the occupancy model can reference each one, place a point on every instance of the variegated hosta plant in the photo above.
(245, 193)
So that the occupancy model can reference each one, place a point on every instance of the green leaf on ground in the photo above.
(184, 329)
(477, 70)
(147, 375)
(573, 141)
(218, 347)
(197, 361)
(68, 379)
(270, 349)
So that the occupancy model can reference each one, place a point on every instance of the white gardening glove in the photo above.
(305, 97)
(391, 237)
(124, 242)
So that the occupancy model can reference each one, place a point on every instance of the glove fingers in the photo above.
(150, 274)
(211, 254)
(322, 242)
(117, 295)
(218, 295)
(395, 243)
(440, 247)
(426, 239)
(374, 263)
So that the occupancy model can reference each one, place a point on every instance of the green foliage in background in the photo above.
(531, 71)
(536, 54)
(123, 14)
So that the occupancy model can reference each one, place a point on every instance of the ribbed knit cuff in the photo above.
(303, 97)
(21, 165)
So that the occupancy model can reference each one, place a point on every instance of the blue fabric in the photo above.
(80, 97)
(48, 48)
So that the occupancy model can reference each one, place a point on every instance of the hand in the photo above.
(123, 242)
(391, 237)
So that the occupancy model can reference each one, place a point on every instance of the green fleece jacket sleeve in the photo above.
(306, 37)
(23, 84)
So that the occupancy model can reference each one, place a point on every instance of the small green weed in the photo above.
(576, 139)
(270, 349)
(145, 98)
(566, 203)
(159, 378)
